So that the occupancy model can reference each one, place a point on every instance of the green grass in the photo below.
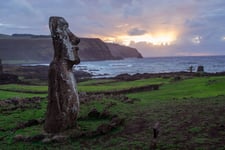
(6, 95)
(30, 131)
(86, 87)
(24, 88)
(11, 120)
(96, 81)
(190, 113)
(200, 87)
(195, 129)
(91, 124)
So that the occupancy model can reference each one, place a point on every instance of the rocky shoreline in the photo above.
(14, 74)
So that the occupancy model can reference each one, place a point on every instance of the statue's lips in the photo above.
(75, 48)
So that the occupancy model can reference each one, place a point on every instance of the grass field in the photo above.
(190, 113)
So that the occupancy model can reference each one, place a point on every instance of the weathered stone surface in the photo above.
(47, 140)
(63, 101)
(1, 68)
(19, 138)
(200, 69)
(35, 138)
(104, 128)
(28, 123)
(105, 114)
(59, 138)
(116, 121)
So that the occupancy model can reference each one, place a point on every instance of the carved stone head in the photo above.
(64, 41)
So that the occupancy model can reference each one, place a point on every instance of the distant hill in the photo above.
(4, 36)
(39, 48)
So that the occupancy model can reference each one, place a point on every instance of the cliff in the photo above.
(122, 52)
(39, 48)
(29, 49)
(94, 49)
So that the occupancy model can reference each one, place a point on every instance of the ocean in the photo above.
(111, 68)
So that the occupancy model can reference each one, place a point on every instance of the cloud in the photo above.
(112, 18)
(196, 39)
(11, 26)
(120, 4)
(136, 31)
(149, 50)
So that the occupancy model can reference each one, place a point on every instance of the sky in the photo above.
(155, 27)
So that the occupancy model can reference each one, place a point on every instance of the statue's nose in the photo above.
(73, 39)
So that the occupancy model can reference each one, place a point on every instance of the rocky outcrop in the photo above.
(39, 48)
(6, 78)
(122, 52)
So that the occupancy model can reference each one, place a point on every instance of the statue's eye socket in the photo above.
(66, 26)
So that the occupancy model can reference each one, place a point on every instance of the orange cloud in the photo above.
(158, 38)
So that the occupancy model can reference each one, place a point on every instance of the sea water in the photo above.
(131, 66)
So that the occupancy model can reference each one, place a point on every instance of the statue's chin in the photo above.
(76, 61)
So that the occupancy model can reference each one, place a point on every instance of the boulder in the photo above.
(94, 113)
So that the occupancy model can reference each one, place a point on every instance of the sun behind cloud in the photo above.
(157, 39)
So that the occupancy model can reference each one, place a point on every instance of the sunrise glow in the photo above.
(160, 38)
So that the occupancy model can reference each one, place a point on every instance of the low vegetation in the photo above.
(189, 110)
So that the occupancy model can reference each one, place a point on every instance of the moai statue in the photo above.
(191, 69)
(1, 67)
(63, 101)
(200, 69)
